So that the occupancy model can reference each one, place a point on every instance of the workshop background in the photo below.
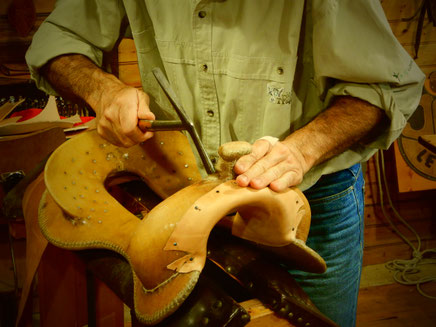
(400, 182)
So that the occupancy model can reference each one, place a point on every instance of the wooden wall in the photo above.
(396, 11)
(13, 46)
(383, 302)
(381, 243)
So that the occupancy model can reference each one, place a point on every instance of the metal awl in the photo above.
(185, 122)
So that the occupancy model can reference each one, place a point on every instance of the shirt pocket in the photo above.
(258, 99)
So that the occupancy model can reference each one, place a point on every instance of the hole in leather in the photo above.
(131, 192)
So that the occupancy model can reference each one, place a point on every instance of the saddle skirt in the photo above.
(167, 248)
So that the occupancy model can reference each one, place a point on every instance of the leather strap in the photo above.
(264, 279)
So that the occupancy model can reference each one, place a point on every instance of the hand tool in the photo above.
(185, 122)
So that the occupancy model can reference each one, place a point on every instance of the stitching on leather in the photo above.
(89, 244)
(145, 290)
(148, 319)
(174, 304)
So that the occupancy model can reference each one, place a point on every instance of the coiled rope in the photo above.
(404, 269)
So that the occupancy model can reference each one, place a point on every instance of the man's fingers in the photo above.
(277, 168)
(278, 178)
(135, 106)
(110, 131)
(274, 173)
(291, 178)
(144, 113)
(248, 166)
(258, 151)
(119, 116)
(264, 170)
(110, 136)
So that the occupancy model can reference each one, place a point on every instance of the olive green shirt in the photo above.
(247, 69)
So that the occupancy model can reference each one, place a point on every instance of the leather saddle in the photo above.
(166, 249)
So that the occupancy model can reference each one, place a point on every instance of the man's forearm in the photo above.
(118, 107)
(346, 122)
(77, 78)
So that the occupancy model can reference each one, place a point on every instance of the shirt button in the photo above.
(202, 14)
(210, 113)
(280, 70)
(204, 67)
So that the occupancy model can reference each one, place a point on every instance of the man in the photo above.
(327, 78)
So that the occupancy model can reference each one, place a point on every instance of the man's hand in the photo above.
(278, 166)
(346, 122)
(118, 112)
(118, 107)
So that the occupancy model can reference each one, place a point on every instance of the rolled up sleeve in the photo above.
(397, 102)
(87, 27)
(354, 46)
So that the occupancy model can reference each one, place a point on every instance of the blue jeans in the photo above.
(336, 233)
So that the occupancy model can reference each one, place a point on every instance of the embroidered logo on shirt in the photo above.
(406, 72)
(278, 95)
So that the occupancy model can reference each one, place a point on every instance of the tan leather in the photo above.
(24, 152)
(264, 216)
(167, 248)
(35, 241)
(77, 169)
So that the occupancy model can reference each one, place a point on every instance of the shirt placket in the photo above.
(202, 32)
